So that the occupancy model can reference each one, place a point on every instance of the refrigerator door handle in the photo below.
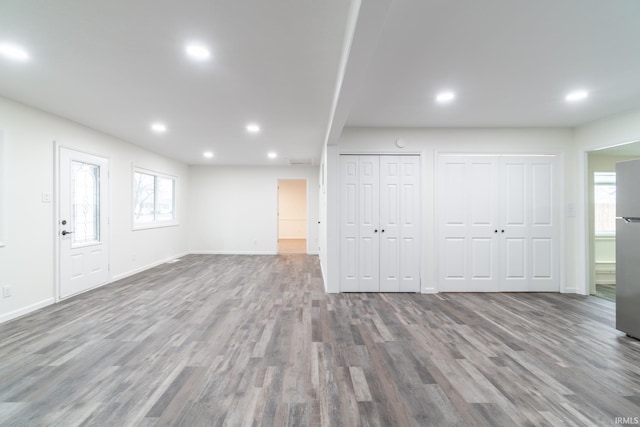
(631, 219)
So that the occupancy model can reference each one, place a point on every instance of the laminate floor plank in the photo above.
(230, 340)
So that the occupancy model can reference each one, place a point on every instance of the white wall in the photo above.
(429, 142)
(233, 209)
(292, 209)
(611, 131)
(27, 262)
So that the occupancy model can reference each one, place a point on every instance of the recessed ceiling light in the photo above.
(197, 52)
(253, 128)
(208, 154)
(444, 97)
(272, 155)
(159, 127)
(577, 95)
(12, 51)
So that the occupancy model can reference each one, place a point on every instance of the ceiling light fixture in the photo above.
(272, 155)
(12, 51)
(208, 154)
(444, 97)
(159, 127)
(577, 95)
(197, 52)
(253, 128)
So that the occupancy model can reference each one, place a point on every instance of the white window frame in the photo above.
(158, 223)
(610, 181)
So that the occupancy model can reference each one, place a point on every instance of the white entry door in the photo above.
(83, 222)
(498, 223)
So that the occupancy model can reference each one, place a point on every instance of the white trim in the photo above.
(210, 252)
(26, 310)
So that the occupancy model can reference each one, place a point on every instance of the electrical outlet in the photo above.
(6, 291)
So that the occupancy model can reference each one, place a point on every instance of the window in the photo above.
(154, 199)
(604, 201)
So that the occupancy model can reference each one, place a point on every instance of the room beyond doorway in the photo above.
(292, 216)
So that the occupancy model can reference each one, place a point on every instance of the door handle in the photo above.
(495, 231)
(382, 231)
(65, 232)
(502, 231)
(375, 231)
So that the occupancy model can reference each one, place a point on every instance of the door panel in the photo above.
(409, 233)
(389, 224)
(368, 226)
(349, 209)
(531, 224)
(83, 229)
(498, 223)
(468, 194)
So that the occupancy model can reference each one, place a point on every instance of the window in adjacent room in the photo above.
(604, 198)
(154, 199)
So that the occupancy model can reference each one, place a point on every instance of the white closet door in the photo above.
(349, 222)
(468, 258)
(499, 223)
(379, 223)
(369, 224)
(409, 224)
(390, 189)
(530, 220)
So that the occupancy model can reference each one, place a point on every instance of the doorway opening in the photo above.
(292, 216)
(601, 165)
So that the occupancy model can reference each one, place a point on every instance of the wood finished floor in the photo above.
(254, 340)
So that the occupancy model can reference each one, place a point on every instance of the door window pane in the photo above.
(85, 201)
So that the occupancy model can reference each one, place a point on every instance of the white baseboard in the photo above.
(208, 252)
(145, 267)
(429, 291)
(26, 310)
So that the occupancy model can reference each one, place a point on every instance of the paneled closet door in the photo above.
(369, 224)
(409, 224)
(530, 218)
(499, 223)
(468, 249)
(359, 224)
(379, 223)
(390, 188)
(349, 223)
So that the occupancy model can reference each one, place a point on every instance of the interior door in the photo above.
(390, 188)
(469, 230)
(83, 222)
(369, 224)
(530, 220)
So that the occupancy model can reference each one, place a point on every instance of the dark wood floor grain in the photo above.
(254, 341)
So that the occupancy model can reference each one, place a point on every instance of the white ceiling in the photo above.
(511, 62)
(117, 66)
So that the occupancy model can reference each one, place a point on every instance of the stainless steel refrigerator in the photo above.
(628, 247)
